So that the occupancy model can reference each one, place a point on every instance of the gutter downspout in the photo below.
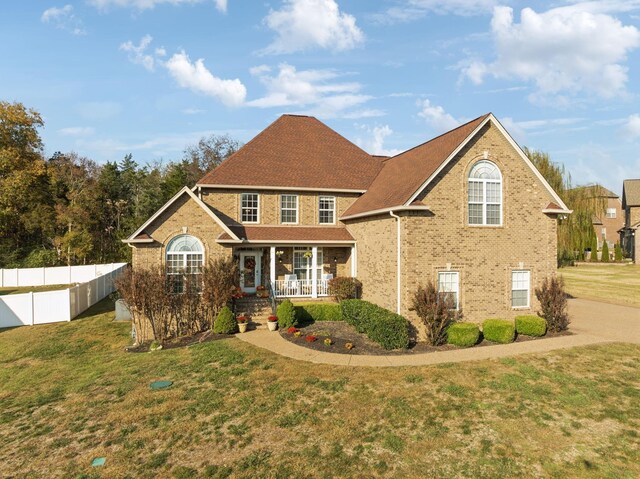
(398, 277)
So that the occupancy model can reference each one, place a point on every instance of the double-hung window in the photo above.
(485, 194)
(184, 260)
(303, 262)
(449, 286)
(327, 210)
(520, 286)
(249, 207)
(289, 209)
(611, 212)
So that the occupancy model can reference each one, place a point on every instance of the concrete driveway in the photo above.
(610, 322)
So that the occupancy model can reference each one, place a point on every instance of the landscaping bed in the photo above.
(342, 333)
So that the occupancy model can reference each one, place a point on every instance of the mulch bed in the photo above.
(203, 337)
(342, 333)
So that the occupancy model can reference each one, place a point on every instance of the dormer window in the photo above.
(327, 210)
(249, 207)
(485, 194)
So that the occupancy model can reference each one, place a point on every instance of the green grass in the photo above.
(69, 393)
(611, 283)
(35, 289)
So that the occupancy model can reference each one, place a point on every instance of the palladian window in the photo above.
(185, 257)
(485, 194)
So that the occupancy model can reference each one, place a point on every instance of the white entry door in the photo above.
(249, 271)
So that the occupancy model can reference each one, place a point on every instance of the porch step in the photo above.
(257, 309)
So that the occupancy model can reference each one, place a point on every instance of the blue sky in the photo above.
(149, 77)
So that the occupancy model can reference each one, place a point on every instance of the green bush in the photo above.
(618, 252)
(499, 330)
(594, 249)
(306, 313)
(531, 325)
(386, 328)
(605, 252)
(463, 334)
(286, 313)
(226, 322)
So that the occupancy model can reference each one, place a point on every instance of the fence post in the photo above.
(69, 304)
(69, 269)
(1, 277)
(44, 275)
(33, 313)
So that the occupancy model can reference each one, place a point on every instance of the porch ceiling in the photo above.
(288, 234)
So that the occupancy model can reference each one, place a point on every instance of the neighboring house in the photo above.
(300, 204)
(607, 225)
(629, 237)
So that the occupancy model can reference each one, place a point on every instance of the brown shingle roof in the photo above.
(297, 151)
(597, 191)
(403, 174)
(289, 233)
(631, 192)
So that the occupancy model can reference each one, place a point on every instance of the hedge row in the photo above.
(495, 330)
(305, 313)
(386, 328)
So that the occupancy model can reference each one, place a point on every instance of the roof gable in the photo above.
(140, 236)
(297, 151)
(406, 175)
(631, 193)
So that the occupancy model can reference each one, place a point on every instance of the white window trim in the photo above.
(184, 257)
(485, 202)
(456, 274)
(611, 213)
(335, 202)
(301, 250)
(297, 209)
(528, 305)
(258, 208)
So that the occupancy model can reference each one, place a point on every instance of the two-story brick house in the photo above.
(607, 224)
(300, 204)
(629, 237)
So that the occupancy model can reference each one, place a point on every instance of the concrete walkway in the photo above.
(592, 322)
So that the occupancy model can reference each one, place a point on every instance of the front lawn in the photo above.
(69, 394)
(612, 283)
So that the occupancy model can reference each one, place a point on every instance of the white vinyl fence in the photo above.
(95, 283)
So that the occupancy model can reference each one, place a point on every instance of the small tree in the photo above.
(594, 249)
(605, 251)
(618, 252)
(553, 304)
(225, 322)
(219, 281)
(342, 288)
(436, 311)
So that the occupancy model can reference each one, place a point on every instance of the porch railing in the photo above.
(299, 287)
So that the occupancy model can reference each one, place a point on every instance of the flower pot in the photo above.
(243, 327)
(272, 325)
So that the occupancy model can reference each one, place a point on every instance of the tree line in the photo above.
(68, 209)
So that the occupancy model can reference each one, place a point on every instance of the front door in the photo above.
(249, 271)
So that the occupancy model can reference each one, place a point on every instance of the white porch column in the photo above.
(272, 266)
(314, 272)
(354, 260)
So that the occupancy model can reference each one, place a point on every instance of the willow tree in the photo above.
(575, 231)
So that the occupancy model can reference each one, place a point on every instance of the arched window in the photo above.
(185, 257)
(485, 194)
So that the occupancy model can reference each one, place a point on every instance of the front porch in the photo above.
(300, 271)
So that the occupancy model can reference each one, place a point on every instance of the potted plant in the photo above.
(272, 322)
(262, 292)
(243, 322)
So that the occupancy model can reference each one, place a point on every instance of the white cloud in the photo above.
(192, 111)
(412, 10)
(521, 130)
(196, 77)
(221, 5)
(436, 117)
(374, 144)
(137, 54)
(77, 131)
(631, 128)
(320, 91)
(305, 24)
(563, 51)
(64, 19)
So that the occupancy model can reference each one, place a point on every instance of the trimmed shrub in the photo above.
(605, 252)
(594, 249)
(386, 328)
(499, 330)
(225, 323)
(436, 311)
(306, 313)
(531, 325)
(553, 304)
(463, 334)
(342, 288)
(618, 252)
(286, 313)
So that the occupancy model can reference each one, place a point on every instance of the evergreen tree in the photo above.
(618, 252)
(594, 249)
(605, 251)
